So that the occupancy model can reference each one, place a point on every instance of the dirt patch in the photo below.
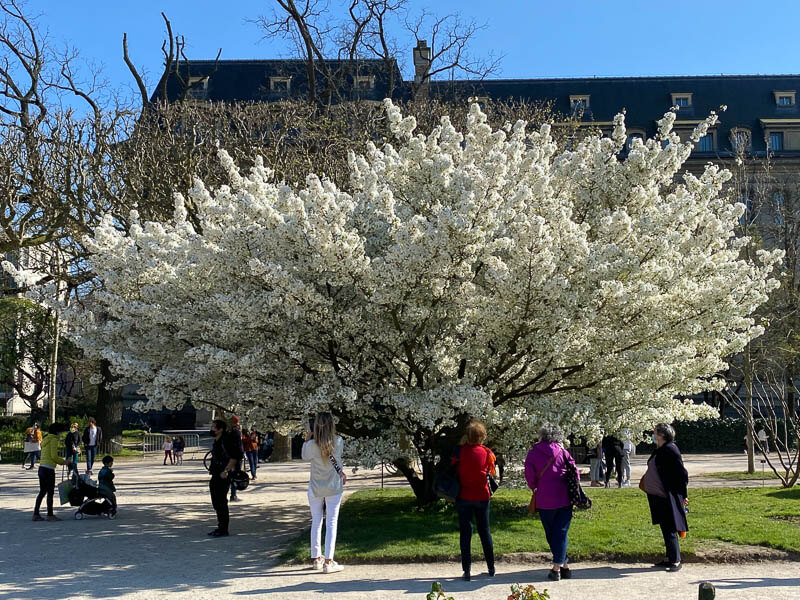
(716, 551)
(793, 519)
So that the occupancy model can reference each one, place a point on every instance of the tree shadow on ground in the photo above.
(752, 582)
(160, 547)
(315, 583)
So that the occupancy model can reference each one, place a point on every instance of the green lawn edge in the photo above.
(725, 525)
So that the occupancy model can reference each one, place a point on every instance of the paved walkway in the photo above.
(157, 548)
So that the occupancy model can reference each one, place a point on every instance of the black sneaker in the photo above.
(674, 568)
(662, 565)
(218, 533)
(465, 576)
(554, 575)
(491, 571)
(213, 531)
(565, 573)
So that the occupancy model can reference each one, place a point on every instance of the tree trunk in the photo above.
(748, 387)
(54, 368)
(109, 411)
(282, 448)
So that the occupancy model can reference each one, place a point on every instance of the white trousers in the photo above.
(331, 507)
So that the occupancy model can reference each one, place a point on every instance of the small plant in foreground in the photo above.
(437, 592)
(527, 593)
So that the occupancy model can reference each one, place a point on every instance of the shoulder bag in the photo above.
(532, 504)
(577, 496)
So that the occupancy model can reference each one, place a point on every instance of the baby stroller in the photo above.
(89, 500)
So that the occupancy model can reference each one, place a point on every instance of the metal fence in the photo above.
(153, 443)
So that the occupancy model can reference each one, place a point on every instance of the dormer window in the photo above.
(784, 98)
(578, 103)
(280, 85)
(681, 100)
(364, 83)
(741, 139)
(198, 88)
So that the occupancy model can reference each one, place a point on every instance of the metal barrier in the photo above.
(153, 443)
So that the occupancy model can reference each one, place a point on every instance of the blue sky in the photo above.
(576, 38)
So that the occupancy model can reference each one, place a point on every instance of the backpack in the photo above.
(446, 483)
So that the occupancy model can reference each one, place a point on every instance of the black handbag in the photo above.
(446, 483)
(493, 485)
(577, 496)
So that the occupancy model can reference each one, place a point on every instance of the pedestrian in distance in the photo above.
(250, 445)
(474, 463)
(178, 446)
(665, 483)
(105, 483)
(545, 467)
(613, 450)
(92, 439)
(167, 448)
(225, 455)
(627, 450)
(236, 432)
(596, 468)
(47, 471)
(323, 449)
(72, 447)
(33, 445)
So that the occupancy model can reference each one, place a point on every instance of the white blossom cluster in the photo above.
(463, 273)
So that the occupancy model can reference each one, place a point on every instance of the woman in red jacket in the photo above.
(475, 461)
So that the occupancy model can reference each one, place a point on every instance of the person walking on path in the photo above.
(613, 449)
(167, 448)
(178, 446)
(474, 462)
(545, 467)
(47, 471)
(236, 432)
(92, 439)
(250, 445)
(627, 450)
(323, 449)
(72, 447)
(33, 445)
(665, 483)
(225, 455)
(596, 468)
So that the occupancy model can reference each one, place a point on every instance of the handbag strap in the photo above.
(547, 466)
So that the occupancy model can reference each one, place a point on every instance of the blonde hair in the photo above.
(475, 433)
(324, 433)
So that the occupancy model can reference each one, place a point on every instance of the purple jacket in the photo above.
(551, 491)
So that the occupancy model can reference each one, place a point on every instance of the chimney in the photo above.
(422, 64)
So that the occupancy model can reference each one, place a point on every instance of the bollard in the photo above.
(707, 591)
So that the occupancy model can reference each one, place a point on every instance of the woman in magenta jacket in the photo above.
(545, 466)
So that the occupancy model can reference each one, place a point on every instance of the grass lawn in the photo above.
(385, 525)
(742, 476)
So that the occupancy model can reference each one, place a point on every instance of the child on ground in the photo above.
(177, 449)
(105, 482)
(168, 451)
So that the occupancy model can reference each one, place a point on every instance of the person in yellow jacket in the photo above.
(47, 471)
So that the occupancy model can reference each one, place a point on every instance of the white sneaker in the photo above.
(318, 562)
(332, 567)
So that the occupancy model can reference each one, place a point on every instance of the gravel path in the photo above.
(157, 548)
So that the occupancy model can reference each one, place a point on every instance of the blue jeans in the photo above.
(556, 523)
(35, 455)
(91, 454)
(74, 465)
(466, 508)
(252, 458)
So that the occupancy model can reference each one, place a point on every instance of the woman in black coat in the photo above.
(665, 483)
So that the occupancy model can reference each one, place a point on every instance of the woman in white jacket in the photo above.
(323, 448)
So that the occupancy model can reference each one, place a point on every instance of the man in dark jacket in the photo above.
(612, 448)
(72, 447)
(225, 455)
(92, 439)
(236, 432)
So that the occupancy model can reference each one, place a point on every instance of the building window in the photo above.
(198, 88)
(578, 104)
(784, 98)
(776, 141)
(364, 83)
(280, 85)
(682, 100)
(706, 143)
(740, 140)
